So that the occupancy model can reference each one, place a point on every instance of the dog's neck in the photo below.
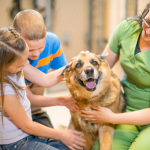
(87, 98)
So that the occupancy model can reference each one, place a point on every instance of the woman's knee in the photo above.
(123, 137)
(142, 140)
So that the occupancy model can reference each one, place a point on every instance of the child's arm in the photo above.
(103, 114)
(43, 101)
(17, 113)
(46, 80)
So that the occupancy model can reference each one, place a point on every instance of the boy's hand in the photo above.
(70, 103)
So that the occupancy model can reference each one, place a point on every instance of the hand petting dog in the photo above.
(74, 138)
(97, 115)
(70, 103)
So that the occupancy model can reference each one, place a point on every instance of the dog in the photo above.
(92, 83)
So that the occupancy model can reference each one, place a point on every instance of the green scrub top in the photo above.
(137, 67)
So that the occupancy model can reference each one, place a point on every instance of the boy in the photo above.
(45, 52)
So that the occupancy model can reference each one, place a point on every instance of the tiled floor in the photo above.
(60, 115)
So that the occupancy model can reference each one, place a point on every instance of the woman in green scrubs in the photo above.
(130, 44)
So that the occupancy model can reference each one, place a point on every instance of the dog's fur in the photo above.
(92, 83)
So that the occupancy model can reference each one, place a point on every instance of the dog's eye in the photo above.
(94, 62)
(78, 65)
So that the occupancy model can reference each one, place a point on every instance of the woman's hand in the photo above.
(72, 140)
(70, 103)
(99, 114)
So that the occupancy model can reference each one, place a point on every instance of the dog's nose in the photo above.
(89, 71)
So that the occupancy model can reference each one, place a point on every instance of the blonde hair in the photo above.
(30, 24)
(12, 47)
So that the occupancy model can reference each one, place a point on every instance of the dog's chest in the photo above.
(86, 126)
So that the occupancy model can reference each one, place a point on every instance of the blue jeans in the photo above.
(34, 143)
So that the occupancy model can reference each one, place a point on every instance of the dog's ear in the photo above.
(67, 68)
(102, 57)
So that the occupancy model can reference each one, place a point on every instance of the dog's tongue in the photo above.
(90, 84)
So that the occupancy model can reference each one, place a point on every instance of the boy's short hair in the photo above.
(30, 24)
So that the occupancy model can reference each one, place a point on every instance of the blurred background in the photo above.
(81, 25)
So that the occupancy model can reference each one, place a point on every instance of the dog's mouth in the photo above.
(89, 84)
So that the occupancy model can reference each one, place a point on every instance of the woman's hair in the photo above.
(139, 17)
(30, 24)
(12, 46)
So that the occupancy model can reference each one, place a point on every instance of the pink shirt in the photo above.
(11, 133)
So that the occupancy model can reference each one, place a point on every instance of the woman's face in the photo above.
(20, 63)
(146, 28)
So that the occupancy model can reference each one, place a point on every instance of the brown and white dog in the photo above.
(92, 83)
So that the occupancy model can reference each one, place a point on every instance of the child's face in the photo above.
(20, 63)
(36, 47)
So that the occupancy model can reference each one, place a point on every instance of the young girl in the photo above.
(17, 130)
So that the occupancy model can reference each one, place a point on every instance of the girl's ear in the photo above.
(102, 57)
(66, 69)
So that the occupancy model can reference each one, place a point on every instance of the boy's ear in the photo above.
(66, 69)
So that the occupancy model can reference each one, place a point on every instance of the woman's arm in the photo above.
(17, 113)
(43, 101)
(46, 80)
(103, 114)
(112, 58)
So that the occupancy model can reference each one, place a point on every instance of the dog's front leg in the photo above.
(106, 133)
(89, 141)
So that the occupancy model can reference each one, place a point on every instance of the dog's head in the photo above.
(87, 75)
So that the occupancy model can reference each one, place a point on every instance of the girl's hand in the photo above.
(99, 114)
(70, 103)
(72, 140)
